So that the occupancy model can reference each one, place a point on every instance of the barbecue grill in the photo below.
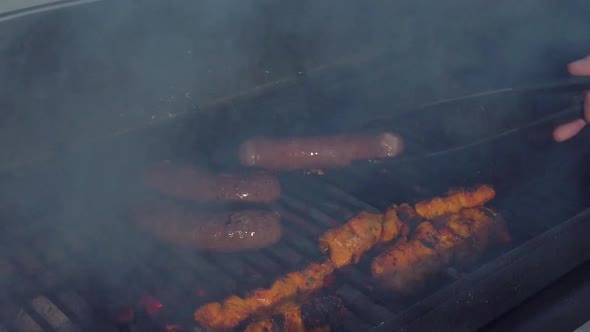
(72, 261)
(123, 271)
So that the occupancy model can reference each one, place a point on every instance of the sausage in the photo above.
(318, 152)
(192, 183)
(227, 231)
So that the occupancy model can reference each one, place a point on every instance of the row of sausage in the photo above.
(253, 226)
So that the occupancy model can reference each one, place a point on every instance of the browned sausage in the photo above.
(318, 152)
(192, 183)
(216, 231)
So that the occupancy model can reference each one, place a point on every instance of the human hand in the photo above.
(572, 128)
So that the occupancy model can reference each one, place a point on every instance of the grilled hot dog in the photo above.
(216, 231)
(318, 152)
(192, 183)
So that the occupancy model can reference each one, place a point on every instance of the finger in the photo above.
(587, 107)
(566, 131)
(580, 67)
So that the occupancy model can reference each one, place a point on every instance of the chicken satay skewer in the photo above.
(349, 242)
(455, 201)
(233, 310)
(459, 237)
(346, 245)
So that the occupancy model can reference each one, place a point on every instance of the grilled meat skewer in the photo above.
(459, 231)
(457, 238)
(233, 310)
(455, 201)
(347, 243)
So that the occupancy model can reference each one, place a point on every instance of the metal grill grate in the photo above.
(46, 292)
(94, 275)
(36, 294)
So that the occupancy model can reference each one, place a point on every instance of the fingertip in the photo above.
(580, 67)
(566, 131)
(558, 135)
(587, 107)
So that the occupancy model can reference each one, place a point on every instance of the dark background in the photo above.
(87, 72)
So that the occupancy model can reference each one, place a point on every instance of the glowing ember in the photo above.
(150, 304)
(201, 292)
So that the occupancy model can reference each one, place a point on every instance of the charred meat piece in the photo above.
(294, 286)
(312, 153)
(407, 264)
(347, 243)
(408, 215)
(196, 184)
(267, 325)
(410, 262)
(478, 226)
(293, 319)
(217, 231)
(455, 201)
(321, 312)
(315, 315)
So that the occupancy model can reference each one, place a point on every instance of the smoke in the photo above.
(73, 77)
(98, 69)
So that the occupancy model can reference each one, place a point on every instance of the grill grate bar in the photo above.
(31, 316)
(285, 255)
(199, 267)
(227, 265)
(23, 322)
(320, 218)
(293, 236)
(363, 305)
(53, 315)
(268, 263)
(27, 315)
(352, 323)
(339, 196)
(265, 265)
(362, 281)
(297, 219)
